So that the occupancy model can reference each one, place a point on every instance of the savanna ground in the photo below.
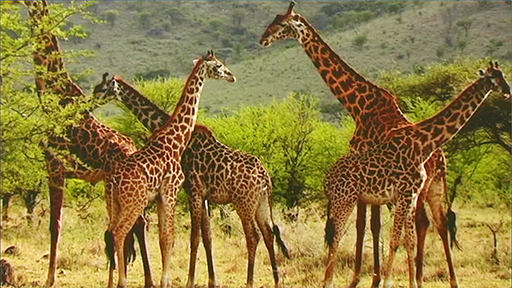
(83, 263)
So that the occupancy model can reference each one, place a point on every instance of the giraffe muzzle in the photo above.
(231, 79)
(265, 42)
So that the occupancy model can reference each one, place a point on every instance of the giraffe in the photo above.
(88, 140)
(154, 173)
(393, 171)
(219, 174)
(375, 111)
(222, 175)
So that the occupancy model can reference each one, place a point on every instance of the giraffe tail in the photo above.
(110, 249)
(275, 229)
(329, 227)
(452, 228)
(280, 243)
(131, 254)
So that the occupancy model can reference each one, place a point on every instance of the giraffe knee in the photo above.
(422, 221)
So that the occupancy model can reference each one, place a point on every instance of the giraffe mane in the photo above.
(199, 62)
(203, 128)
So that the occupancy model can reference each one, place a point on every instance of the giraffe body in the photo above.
(393, 171)
(222, 175)
(376, 112)
(154, 173)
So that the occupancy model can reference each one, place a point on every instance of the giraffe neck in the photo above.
(151, 116)
(178, 130)
(358, 95)
(432, 133)
(49, 56)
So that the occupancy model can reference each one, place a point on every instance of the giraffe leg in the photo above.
(119, 234)
(265, 225)
(251, 238)
(399, 216)
(140, 231)
(122, 220)
(376, 225)
(422, 224)
(361, 230)
(438, 206)
(166, 213)
(112, 212)
(410, 242)
(57, 184)
(196, 207)
(208, 247)
(335, 225)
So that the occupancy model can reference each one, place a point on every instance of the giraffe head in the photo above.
(496, 77)
(215, 69)
(284, 26)
(108, 89)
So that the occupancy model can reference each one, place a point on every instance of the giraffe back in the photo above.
(227, 174)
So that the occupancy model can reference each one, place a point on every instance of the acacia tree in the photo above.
(465, 24)
(27, 117)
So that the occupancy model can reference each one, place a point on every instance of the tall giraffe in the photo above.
(219, 174)
(375, 111)
(155, 171)
(89, 140)
(393, 171)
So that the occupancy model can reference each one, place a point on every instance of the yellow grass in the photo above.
(83, 262)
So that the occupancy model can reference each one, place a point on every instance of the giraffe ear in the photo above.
(481, 72)
(105, 75)
(496, 65)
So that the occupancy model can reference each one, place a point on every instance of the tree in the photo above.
(462, 45)
(237, 16)
(111, 16)
(465, 24)
(359, 41)
(145, 19)
(27, 117)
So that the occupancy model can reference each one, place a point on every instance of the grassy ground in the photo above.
(83, 262)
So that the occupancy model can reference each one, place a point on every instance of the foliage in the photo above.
(351, 19)
(28, 117)
(359, 41)
(464, 24)
(111, 16)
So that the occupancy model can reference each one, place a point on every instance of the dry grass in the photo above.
(83, 264)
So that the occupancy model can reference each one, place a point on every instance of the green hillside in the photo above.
(179, 31)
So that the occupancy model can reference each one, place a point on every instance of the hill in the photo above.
(177, 32)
